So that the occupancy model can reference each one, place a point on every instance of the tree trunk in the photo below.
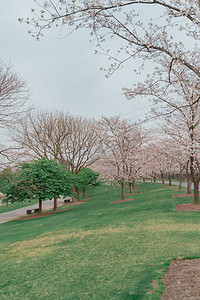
(122, 187)
(55, 204)
(170, 179)
(189, 186)
(130, 187)
(189, 182)
(78, 195)
(83, 193)
(162, 177)
(40, 206)
(192, 161)
(6, 203)
(133, 184)
(180, 178)
(180, 184)
(73, 192)
(143, 179)
(196, 191)
(154, 179)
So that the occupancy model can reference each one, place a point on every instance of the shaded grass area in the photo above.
(16, 205)
(97, 250)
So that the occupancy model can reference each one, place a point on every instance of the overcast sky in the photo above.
(64, 74)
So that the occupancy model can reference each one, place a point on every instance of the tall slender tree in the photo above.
(121, 140)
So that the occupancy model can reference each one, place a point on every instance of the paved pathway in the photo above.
(20, 212)
(184, 184)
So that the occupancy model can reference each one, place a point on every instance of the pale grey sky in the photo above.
(64, 74)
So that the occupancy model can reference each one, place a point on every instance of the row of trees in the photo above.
(124, 151)
(78, 143)
(44, 179)
(118, 149)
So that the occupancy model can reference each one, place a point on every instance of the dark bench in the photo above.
(33, 210)
(67, 200)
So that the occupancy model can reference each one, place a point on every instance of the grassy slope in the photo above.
(16, 205)
(97, 250)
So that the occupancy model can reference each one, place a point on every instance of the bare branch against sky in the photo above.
(64, 73)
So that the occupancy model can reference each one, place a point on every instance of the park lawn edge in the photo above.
(157, 285)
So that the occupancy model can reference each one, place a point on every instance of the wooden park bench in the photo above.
(66, 200)
(33, 210)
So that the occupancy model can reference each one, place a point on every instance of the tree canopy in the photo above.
(43, 179)
(84, 179)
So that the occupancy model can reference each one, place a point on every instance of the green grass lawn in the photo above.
(16, 205)
(98, 250)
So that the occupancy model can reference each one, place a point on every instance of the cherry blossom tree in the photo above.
(149, 29)
(178, 135)
(139, 159)
(167, 159)
(122, 139)
(153, 166)
(177, 96)
(106, 170)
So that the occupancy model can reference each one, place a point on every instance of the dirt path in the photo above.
(20, 212)
(182, 280)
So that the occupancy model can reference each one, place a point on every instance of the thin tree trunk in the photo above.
(192, 161)
(170, 179)
(180, 179)
(130, 187)
(143, 179)
(55, 203)
(78, 195)
(189, 186)
(122, 187)
(83, 193)
(73, 192)
(40, 206)
(196, 191)
(162, 177)
(133, 184)
(154, 179)
(6, 203)
(189, 182)
(180, 184)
